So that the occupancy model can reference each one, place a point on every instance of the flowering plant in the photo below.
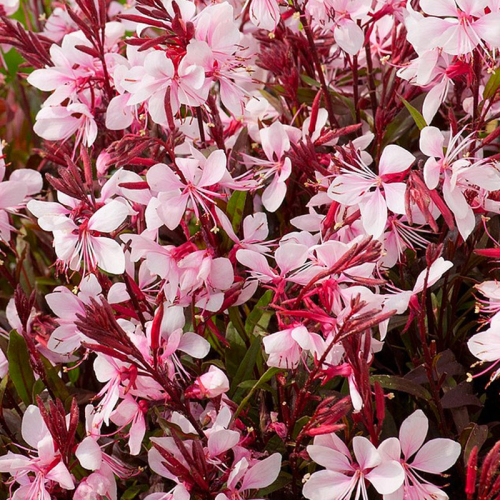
(249, 249)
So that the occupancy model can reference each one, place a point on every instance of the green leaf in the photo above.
(20, 370)
(258, 312)
(245, 370)
(249, 384)
(235, 352)
(134, 491)
(402, 122)
(236, 208)
(492, 85)
(416, 115)
(54, 381)
(395, 383)
(3, 387)
(473, 435)
(270, 373)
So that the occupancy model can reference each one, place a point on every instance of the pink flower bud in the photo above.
(213, 383)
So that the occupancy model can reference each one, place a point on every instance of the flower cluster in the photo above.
(248, 249)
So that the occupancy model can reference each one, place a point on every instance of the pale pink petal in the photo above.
(455, 200)
(221, 273)
(222, 440)
(63, 304)
(308, 341)
(214, 169)
(262, 474)
(412, 433)
(374, 213)
(485, 345)
(172, 208)
(274, 194)
(291, 256)
(427, 32)
(119, 115)
(349, 37)
(265, 14)
(33, 428)
(442, 8)
(366, 454)
(160, 177)
(109, 255)
(431, 142)
(30, 178)
(332, 441)
(159, 65)
(395, 159)
(434, 99)
(328, 485)
(330, 459)
(437, 455)
(473, 7)
(466, 224)
(255, 227)
(226, 224)
(387, 477)
(137, 432)
(44, 208)
(432, 171)
(275, 141)
(254, 261)
(12, 193)
(194, 345)
(487, 28)
(437, 269)
(277, 342)
(173, 319)
(109, 217)
(89, 454)
(390, 449)
(395, 197)
(61, 475)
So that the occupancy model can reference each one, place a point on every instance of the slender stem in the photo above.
(319, 69)
(355, 86)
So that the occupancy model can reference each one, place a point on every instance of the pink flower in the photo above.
(255, 231)
(265, 14)
(77, 233)
(433, 457)
(348, 35)
(9, 6)
(176, 339)
(184, 82)
(374, 194)
(285, 347)
(485, 345)
(14, 194)
(275, 143)
(99, 484)
(66, 305)
(344, 476)
(44, 464)
(174, 191)
(289, 257)
(247, 476)
(465, 26)
(461, 174)
(212, 383)
(131, 411)
(59, 123)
